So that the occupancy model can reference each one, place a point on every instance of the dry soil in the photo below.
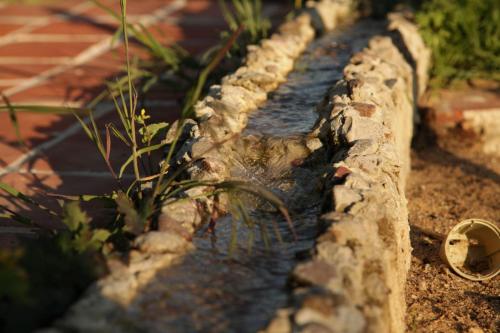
(451, 180)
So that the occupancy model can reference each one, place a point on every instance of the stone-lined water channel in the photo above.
(213, 290)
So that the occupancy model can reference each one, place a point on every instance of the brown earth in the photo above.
(451, 180)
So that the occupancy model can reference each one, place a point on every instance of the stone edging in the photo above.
(355, 280)
(221, 116)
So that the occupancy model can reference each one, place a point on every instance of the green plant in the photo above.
(40, 279)
(246, 14)
(249, 14)
(137, 205)
(464, 36)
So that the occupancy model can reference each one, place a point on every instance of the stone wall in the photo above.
(355, 280)
(221, 116)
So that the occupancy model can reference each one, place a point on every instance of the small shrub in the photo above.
(464, 36)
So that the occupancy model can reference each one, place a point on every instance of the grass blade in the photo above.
(42, 109)
(18, 195)
(118, 134)
(261, 192)
(139, 153)
(13, 120)
(108, 152)
(230, 20)
(10, 214)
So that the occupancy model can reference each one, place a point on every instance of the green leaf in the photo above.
(41, 109)
(150, 131)
(13, 278)
(118, 134)
(18, 195)
(73, 217)
(13, 119)
(133, 221)
(98, 238)
(12, 215)
(139, 153)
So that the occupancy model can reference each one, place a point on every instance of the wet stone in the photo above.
(316, 272)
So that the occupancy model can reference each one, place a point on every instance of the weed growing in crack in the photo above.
(248, 14)
(75, 253)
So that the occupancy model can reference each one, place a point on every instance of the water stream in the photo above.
(213, 290)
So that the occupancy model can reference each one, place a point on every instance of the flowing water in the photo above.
(213, 290)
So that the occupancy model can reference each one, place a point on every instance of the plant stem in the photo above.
(123, 4)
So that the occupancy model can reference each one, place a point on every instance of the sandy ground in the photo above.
(451, 180)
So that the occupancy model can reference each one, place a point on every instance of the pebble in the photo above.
(422, 285)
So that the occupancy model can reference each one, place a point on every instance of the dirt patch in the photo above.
(451, 180)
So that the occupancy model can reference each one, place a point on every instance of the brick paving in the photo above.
(447, 107)
(60, 53)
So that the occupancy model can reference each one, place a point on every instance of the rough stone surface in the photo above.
(222, 115)
(161, 242)
(420, 54)
(355, 280)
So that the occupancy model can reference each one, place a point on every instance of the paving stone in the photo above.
(34, 50)
(7, 28)
(50, 9)
(81, 25)
(21, 72)
(447, 108)
(133, 7)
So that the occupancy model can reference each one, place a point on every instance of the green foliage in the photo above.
(12, 277)
(135, 214)
(172, 56)
(464, 36)
(13, 119)
(247, 13)
(80, 236)
(136, 206)
(40, 280)
(43, 276)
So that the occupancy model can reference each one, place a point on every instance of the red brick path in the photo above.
(60, 53)
(447, 107)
